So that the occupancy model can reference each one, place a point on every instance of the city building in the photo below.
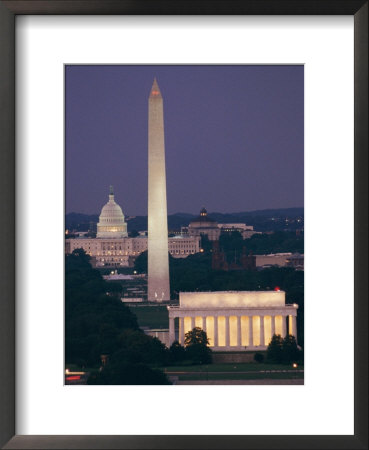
(113, 248)
(246, 230)
(240, 227)
(295, 260)
(234, 320)
(203, 225)
(122, 252)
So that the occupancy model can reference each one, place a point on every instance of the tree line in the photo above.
(102, 332)
(98, 325)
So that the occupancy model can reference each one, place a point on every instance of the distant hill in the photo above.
(80, 222)
(262, 220)
(283, 212)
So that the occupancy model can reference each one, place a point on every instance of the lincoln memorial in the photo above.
(234, 320)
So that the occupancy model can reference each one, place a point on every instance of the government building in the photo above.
(113, 248)
(234, 320)
(203, 225)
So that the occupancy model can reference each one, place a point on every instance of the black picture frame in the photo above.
(8, 11)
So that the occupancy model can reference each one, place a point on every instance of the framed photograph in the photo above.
(259, 105)
(203, 287)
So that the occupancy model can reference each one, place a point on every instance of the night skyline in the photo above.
(234, 137)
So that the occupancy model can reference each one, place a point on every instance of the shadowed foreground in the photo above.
(235, 382)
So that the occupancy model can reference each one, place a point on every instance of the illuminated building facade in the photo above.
(122, 252)
(234, 320)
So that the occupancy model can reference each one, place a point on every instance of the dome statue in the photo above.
(111, 221)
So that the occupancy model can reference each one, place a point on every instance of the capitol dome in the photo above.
(111, 221)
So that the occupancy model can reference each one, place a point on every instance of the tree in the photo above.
(141, 262)
(79, 252)
(137, 347)
(258, 357)
(133, 233)
(277, 242)
(283, 351)
(93, 320)
(114, 287)
(290, 351)
(196, 336)
(206, 244)
(275, 349)
(196, 342)
(177, 353)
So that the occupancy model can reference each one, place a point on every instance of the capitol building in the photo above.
(113, 248)
(111, 221)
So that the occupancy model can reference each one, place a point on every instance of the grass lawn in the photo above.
(151, 316)
(237, 371)
(242, 376)
(232, 368)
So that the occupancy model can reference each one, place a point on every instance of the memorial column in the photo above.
(283, 327)
(262, 332)
(239, 331)
(272, 325)
(251, 332)
(227, 331)
(294, 327)
(181, 330)
(192, 323)
(204, 323)
(215, 331)
(172, 336)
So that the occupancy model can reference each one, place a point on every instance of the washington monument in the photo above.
(158, 264)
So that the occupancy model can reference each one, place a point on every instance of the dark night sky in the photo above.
(234, 137)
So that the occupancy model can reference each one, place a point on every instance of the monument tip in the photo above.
(155, 91)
